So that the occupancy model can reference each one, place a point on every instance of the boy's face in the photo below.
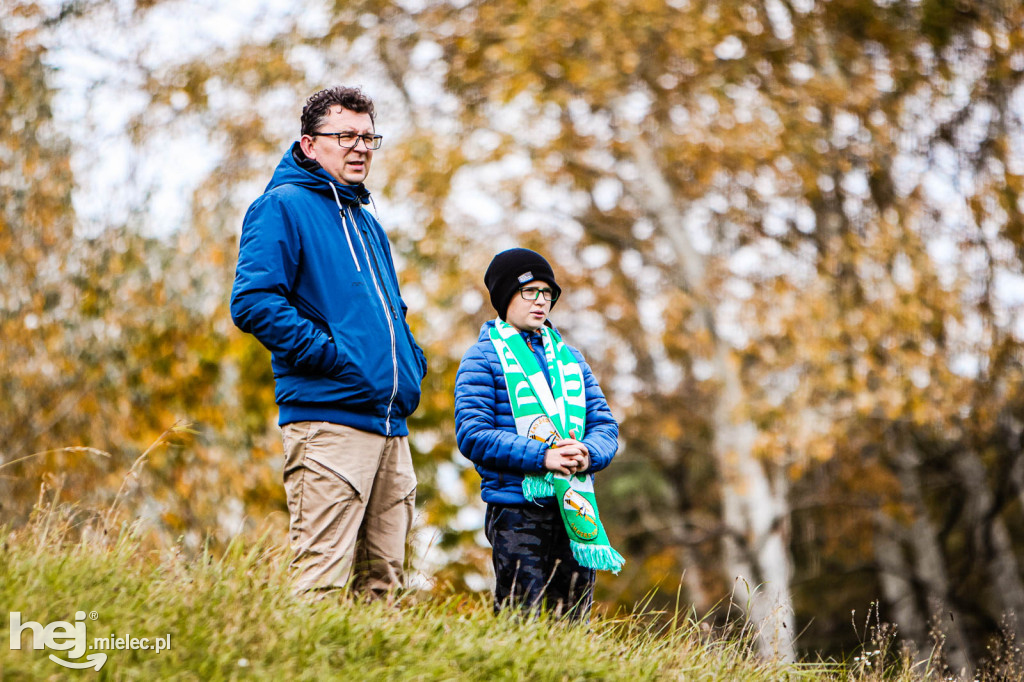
(528, 316)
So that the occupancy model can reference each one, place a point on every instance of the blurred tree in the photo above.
(768, 176)
(791, 238)
(112, 338)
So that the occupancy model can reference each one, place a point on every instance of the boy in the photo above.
(559, 423)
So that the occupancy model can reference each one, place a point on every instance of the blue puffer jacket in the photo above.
(316, 285)
(486, 432)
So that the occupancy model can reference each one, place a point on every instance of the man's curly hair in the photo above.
(319, 105)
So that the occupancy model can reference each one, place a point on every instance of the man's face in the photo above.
(528, 316)
(347, 166)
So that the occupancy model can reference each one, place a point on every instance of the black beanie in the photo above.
(510, 270)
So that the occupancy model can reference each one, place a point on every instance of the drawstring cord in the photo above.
(344, 226)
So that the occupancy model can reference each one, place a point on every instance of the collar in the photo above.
(344, 194)
(531, 337)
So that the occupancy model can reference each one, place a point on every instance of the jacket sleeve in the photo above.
(477, 432)
(602, 436)
(268, 261)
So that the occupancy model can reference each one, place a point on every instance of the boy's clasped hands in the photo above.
(567, 456)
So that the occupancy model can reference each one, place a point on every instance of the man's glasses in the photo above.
(349, 140)
(534, 293)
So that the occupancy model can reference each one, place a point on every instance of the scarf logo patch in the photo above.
(543, 429)
(581, 518)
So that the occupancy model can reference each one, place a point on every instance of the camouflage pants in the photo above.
(533, 562)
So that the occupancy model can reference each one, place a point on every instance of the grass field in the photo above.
(234, 617)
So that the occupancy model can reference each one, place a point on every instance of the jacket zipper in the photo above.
(388, 311)
(376, 264)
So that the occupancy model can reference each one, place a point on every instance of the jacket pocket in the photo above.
(340, 452)
(410, 373)
(367, 369)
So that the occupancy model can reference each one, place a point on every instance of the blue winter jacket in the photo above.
(316, 285)
(486, 432)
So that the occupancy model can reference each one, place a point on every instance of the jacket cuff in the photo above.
(541, 449)
(336, 364)
(596, 463)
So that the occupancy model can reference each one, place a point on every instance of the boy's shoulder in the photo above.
(479, 355)
(480, 366)
(483, 340)
(479, 349)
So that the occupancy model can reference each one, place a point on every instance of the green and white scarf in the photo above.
(550, 413)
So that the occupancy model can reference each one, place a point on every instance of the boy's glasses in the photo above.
(535, 293)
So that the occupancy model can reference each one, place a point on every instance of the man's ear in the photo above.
(306, 144)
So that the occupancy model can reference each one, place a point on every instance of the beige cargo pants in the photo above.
(350, 501)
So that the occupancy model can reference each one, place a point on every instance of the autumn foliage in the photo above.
(792, 242)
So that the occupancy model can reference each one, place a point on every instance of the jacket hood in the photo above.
(295, 168)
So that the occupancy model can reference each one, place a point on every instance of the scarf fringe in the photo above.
(597, 557)
(535, 487)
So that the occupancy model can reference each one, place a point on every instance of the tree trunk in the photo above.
(693, 580)
(755, 511)
(925, 584)
(991, 541)
(896, 578)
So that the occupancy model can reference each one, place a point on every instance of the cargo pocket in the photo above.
(325, 499)
(295, 437)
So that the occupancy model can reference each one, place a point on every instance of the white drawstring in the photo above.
(344, 226)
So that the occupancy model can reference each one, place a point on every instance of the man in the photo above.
(316, 284)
